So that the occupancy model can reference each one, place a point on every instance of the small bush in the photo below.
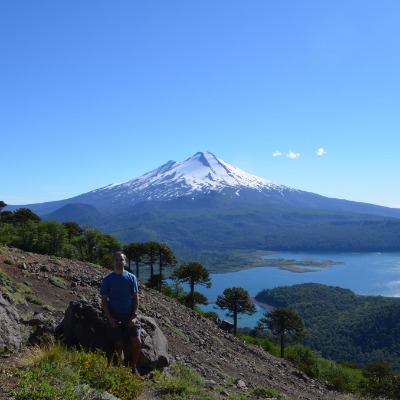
(34, 300)
(180, 383)
(264, 393)
(10, 261)
(48, 307)
(22, 288)
(211, 315)
(265, 343)
(45, 268)
(304, 359)
(56, 260)
(5, 279)
(54, 280)
(55, 373)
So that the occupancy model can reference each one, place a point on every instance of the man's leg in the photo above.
(135, 344)
(119, 350)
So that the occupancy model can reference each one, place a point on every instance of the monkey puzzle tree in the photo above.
(2, 205)
(73, 229)
(135, 252)
(166, 258)
(193, 273)
(161, 254)
(281, 322)
(236, 301)
(150, 257)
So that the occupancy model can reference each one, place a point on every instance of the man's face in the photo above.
(119, 261)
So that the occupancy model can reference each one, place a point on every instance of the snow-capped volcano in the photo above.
(198, 175)
(202, 177)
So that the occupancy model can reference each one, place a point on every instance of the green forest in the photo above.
(341, 325)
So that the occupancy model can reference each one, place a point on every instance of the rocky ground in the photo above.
(222, 359)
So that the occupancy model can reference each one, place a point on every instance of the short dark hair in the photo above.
(119, 253)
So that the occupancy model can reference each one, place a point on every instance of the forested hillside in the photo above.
(341, 325)
(216, 226)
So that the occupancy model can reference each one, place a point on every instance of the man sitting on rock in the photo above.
(120, 302)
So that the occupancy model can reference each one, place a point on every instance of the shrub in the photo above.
(265, 393)
(56, 372)
(5, 279)
(265, 343)
(56, 260)
(57, 282)
(304, 359)
(180, 382)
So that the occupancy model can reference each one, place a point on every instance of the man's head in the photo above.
(119, 260)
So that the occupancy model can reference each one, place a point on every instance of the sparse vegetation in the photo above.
(55, 260)
(55, 372)
(56, 281)
(180, 383)
(5, 279)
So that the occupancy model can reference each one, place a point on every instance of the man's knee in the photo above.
(135, 340)
(118, 344)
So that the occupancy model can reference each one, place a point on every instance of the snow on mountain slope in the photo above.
(199, 177)
(201, 174)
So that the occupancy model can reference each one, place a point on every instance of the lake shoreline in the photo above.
(255, 260)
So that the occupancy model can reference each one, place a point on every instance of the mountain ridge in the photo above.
(205, 203)
(201, 175)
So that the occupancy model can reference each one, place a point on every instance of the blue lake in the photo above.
(363, 273)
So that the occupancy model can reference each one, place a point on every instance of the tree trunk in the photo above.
(282, 345)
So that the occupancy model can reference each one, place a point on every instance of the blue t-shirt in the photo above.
(119, 289)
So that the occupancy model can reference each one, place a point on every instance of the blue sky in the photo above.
(96, 92)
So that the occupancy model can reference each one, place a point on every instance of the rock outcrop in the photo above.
(84, 325)
(10, 334)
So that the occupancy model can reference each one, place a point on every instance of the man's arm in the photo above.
(135, 303)
(104, 305)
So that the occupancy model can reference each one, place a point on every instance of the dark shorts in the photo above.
(123, 330)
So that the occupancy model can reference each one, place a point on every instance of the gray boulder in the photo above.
(10, 334)
(84, 325)
(154, 351)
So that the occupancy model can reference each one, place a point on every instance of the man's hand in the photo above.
(113, 323)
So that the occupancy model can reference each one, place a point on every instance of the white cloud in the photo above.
(277, 153)
(293, 155)
(321, 151)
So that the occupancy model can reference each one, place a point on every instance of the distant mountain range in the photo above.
(206, 203)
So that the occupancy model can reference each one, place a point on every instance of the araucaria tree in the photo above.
(236, 301)
(135, 252)
(281, 322)
(193, 273)
(2, 205)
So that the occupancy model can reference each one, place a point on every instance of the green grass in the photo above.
(258, 393)
(180, 383)
(55, 260)
(342, 377)
(5, 279)
(174, 329)
(54, 280)
(55, 372)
